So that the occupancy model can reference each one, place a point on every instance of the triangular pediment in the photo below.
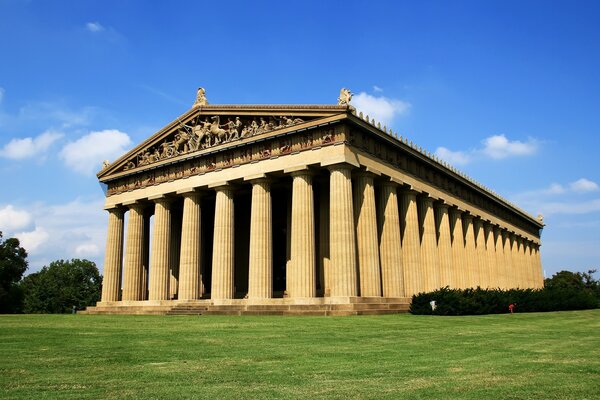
(212, 127)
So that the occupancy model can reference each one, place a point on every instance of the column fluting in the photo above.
(161, 251)
(490, 255)
(430, 258)
(411, 246)
(222, 286)
(260, 274)
(499, 254)
(482, 262)
(113, 259)
(342, 240)
(444, 244)
(365, 217)
(472, 275)
(301, 277)
(459, 259)
(390, 245)
(134, 254)
(190, 272)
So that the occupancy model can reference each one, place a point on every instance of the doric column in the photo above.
(148, 213)
(161, 250)
(430, 259)
(508, 266)
(324, 255)
(459, 259)
(260, 279)
(301, 276)
(176, 226)
(190, 272)
(528, 264)
(113, 259)
(499, 254)
(222, 286)
(411, 247)
(390, 250)
(134, 254)
(515, 261)
(472, 275)
(538, 267)
(482, 267)
(365, 217)
(490, 255)
(342, 243)
(444, 244)
(522, 263)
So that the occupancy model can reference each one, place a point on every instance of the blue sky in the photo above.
(507, 91)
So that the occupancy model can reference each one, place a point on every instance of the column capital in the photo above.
(224, 187)
(454, 211)
(362, 173)
(193, 194)
(341, 166)
(136, 205)
(301, 172)
(442, 205)
(425, 198)
(467, 216)
(116, 210)
(161, 199)
(388, 183)
(409, 192)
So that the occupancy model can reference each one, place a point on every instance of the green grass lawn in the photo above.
(521, 356)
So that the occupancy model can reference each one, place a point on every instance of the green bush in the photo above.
(496, 301)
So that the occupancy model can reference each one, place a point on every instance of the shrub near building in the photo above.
(564, 291)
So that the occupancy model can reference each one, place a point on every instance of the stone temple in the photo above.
(299, 209)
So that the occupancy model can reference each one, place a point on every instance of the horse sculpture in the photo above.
(216, 131)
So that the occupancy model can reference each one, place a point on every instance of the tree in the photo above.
(13, 264)
(62, 285)
(564, 280)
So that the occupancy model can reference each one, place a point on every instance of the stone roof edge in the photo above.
(417, 150)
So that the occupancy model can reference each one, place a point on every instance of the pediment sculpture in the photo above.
(207, 131)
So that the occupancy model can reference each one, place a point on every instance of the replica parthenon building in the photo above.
(299, 208)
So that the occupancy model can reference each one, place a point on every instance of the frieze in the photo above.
(228, 158)
(207, 131)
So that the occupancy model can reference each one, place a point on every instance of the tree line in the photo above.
(59, 287)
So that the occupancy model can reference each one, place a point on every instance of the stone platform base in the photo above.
(286, 306)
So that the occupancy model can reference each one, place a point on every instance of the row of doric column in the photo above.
(376, 238)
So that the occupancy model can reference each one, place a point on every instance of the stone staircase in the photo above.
(357, 306)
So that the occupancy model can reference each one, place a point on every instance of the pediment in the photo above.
(213, 127)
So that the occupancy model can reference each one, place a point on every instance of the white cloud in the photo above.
(12, 219)
(453, 157)
(377, 89)
(87, 250)
(94, 27)
(383, 109)
(567, 207)
(76, 229)
(584, 185)
(85, 155)
(19, 149)
(498, 147)
(30, 241)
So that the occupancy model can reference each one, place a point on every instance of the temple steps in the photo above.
(277, 306)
